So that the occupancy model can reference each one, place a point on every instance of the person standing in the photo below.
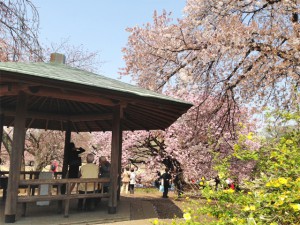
(89, 170)
(54, 166)
(166, 177)
(125, 180)
(178, 182)
(217, 181)
(132, 181)
(104, 171)
(157, 180)
(230, 183)
(74, 160)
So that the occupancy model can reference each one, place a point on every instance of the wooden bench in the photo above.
(56, 191)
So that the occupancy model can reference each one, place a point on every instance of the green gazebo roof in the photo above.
(59, 94)
(61, 72)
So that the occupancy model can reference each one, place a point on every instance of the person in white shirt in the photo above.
(132, 181)
(125, 180)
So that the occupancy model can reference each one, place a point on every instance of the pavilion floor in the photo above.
(136, 209)
(42, 215)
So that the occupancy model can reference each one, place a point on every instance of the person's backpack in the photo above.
(53, 167)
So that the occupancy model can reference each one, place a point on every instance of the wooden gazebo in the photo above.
(54, 96)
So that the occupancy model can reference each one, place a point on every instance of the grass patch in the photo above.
(146, 190)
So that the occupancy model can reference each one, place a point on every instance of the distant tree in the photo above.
(19, 26)
(76, 56)
(45, 146)
(19, 41)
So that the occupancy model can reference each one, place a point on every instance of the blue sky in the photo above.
(99, 25)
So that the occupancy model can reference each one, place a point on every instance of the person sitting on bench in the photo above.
(90, 170)
(104, 172)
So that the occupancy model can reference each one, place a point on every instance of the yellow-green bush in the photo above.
(273, 197)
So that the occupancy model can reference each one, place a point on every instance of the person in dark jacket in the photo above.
(178, 182)
(166, 178)
(217, 181)
(74, 160)
(104, 169)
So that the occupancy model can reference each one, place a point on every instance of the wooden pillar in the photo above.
(66, 158)
(16, 159)
(66, 151)
(115, 151)
(120, 163)
(1, 131)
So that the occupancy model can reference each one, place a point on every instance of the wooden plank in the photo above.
(37, 198)
(63, 181)
(16, 159)
(61, 117)
(1, 131)
(32, 174)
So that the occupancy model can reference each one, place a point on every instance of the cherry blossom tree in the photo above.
(193, 143)
(101, 144)
(233, 54)
(237, 52)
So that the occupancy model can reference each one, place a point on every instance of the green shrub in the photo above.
(273, 197)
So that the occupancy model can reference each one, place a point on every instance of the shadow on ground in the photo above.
(162, 208)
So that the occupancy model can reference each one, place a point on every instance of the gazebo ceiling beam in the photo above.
(61, 126)
(133, 124)
(74, 126)
(46, 124)
(57, 93)
(29, 124)
(61, 117)
(99, 125)
(87, 126)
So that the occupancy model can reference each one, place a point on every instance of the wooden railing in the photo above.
(27, 175)
(31, 174)
(60, 190)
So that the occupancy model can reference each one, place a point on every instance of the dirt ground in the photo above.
(172, 207)
(165, 208)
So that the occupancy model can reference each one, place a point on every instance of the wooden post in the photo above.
(1, 132)
(115, 151)
(66, 151)
(66, 158)
(16, 159)
(120, 163)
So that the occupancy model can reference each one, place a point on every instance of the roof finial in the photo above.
(57, 58)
